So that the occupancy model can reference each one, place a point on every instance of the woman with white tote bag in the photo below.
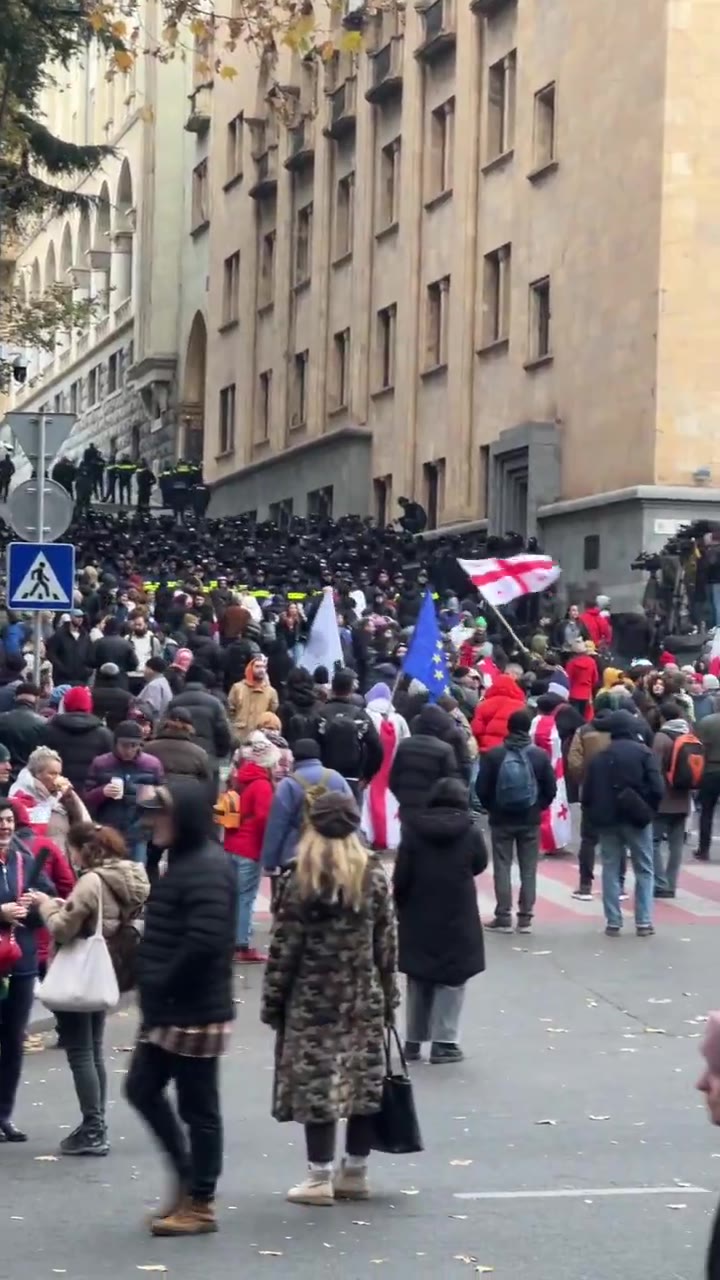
(81, 985)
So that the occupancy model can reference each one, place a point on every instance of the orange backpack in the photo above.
(687, 763)
(226, 810)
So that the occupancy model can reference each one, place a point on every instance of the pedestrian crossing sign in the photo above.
(40, 575)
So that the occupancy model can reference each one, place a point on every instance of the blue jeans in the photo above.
(137, 850)
(638, 841)
(248, 882)
(672, 826)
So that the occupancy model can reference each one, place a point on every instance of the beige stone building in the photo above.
(477, 263)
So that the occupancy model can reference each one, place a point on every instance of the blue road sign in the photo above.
(40, 575)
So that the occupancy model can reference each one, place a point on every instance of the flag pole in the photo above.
(500, 617)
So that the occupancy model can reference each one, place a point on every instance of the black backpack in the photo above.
(342, 742)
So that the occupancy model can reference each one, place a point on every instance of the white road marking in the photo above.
(579, 1193)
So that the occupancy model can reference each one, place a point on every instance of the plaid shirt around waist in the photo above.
(210, 1041)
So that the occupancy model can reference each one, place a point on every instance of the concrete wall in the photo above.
(341, 460)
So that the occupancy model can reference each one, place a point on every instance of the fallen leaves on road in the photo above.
(358, 1222)
(677, 1206)
(598, 1117)
(270, 1253)
(411, 1191)
(546, 1121)
(48, 1159)
(655, 1031)
(542, 953)
(462, 1163)
(460, 1217)
(153, 1266)
(655, 1000)
(557, 1031)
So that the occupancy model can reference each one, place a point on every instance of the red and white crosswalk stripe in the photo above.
(697, 901)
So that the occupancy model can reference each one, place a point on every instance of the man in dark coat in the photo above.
(185, 980)
(517, 825)
(115, 647)
(70, 651)
(622, 792)
(439, 929)
(210, 721)
(21, 728)
(111, 700)
(299, 712)
(174, 745)
(349, 741)
(78, 736)
(423, 759)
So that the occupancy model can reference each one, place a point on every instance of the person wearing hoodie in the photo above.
(252, 783)
(622, 790)
(588, 740)
(294, 795)
(300, 710)
(329, 992)
(77, 735)
(111, 886)
(250, 698)
(440, 937)
(380, 814)
(423, 759)
(490, 721)
(516, 784)
(597, 626)
(582, 673)
(180, 663)
(185, 993)
(111, 699)
(671, 818)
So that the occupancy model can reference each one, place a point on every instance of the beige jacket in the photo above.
(247, 703)
(125, 887)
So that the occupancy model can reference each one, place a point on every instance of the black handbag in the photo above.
(396, 1128)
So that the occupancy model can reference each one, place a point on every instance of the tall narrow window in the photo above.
(227, 419)
(540, 320)
(298, 416)
(501, 106)
(344, 215)
(389, 194)
(231, 290)
(341, 369)
(234, 154)
(266, 284)
(544, 132)
(438, 297)
(265, 406)
(303, 244)
(200, 213)
(496, 296)
(442, 144)
(387, 325)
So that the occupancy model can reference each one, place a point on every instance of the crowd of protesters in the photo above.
(176, 750)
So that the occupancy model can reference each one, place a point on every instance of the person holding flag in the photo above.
(426, 659)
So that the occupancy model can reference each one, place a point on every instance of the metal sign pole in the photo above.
(37, 620)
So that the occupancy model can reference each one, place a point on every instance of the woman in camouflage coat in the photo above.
(329, 992)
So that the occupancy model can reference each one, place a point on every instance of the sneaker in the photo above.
(249, 955)
(316, 1189)
(701, 857)
(524, 926)
(612, 930)
(85, 1141)
(351, 1184)
(499, 926)
(664, 893)
(645, 930)
(190, 1218)
(412, 1050)
(442, 1053)
(623, 895)
(583, 895)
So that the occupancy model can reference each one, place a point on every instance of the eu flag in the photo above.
(425, 658)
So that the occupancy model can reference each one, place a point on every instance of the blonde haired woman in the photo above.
(329, 991)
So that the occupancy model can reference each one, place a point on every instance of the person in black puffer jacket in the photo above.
(111, 700)
(115, 647)
(424, 759)
(439, 931)
(185, 980)
(300, 712)
(78, 736)
(209, 717)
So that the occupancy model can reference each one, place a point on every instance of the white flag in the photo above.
(323, 648)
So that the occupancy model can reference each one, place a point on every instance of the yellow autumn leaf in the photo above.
(327, 51)
(227, 72)
(170, 33)
(305, 24)
(148, 115)
(351, 42)
(200, 29)
(97, 20)
(123, 60)
(119, 29)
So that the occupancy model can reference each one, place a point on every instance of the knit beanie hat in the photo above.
(711, 684)
(259, 750)
(335, 815)
(78, 698)
(58, 694)
(268, 720)
(306, 749)
(559, 684)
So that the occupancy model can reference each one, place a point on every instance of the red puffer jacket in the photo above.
(490, 722)
(57, 869)
(255, 789)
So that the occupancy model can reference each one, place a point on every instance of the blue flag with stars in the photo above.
(426, 659)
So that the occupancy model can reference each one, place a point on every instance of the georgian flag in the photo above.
(500, 581)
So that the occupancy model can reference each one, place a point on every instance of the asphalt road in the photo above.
(565, 1026)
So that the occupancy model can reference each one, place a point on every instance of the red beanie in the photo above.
(78, 699)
